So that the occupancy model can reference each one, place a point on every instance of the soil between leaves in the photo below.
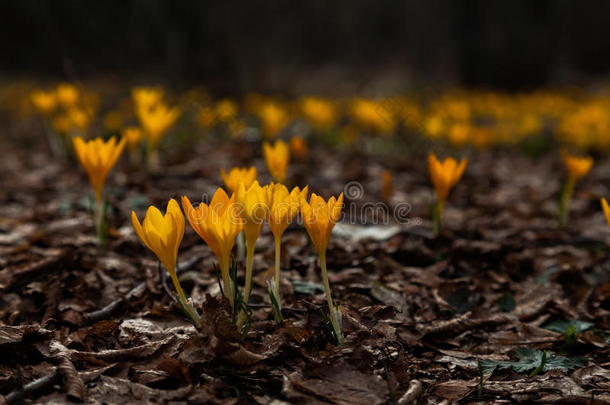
(95, 324)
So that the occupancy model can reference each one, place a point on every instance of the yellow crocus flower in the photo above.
(44, 101)
(273, 119)
(577, 166)
(283, 207)
(67, 95)
(374, 116)
(218, 224)
(606, 209)
(319, 218)
(253, 205)
(321, 113)
(79, 118)
(277, 158)
(226, 110)
(97, 158)
(145, 98)
(156, 121)
(133, 135)
(162, 234)
(445, 175)
(236, 175)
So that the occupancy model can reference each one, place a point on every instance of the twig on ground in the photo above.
(31, 389)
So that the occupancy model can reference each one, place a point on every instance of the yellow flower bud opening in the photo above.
(218, 224)
(444, 175)
(162, 234)
(97, 158)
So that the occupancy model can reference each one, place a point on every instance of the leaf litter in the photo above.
(83, 323)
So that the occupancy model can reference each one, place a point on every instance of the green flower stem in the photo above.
(226, 279)
(185, 302)
(276, 281)
(335, 314)
(329, 298)
(437, 218)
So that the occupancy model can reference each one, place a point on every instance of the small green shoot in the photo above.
(540, 367)
(275, 306)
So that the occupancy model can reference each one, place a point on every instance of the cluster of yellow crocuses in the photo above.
(220, 222)
(251, 205)
(66, 107)
(155, 116)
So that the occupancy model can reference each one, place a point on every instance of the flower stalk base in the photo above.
(335, 313)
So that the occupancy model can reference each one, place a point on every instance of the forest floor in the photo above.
(503, 306)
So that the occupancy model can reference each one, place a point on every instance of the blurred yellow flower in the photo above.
(133, 135)
(445, 175)
(459, 134)
(67, 95)
(373, 116)
(321, 113)
(277, 158)
(245, 175)
(273, 118)
(80, 119)
(226, 110)
(97, 158)
(145, 98)
(298, 148)
(44, 101)
(576, 166)
(156, 121)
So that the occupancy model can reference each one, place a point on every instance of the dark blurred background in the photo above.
(232, 46)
